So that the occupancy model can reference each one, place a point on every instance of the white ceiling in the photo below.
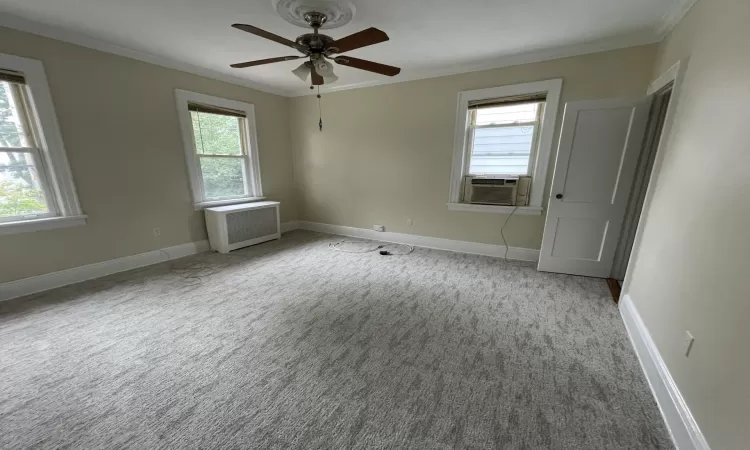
(428, 37)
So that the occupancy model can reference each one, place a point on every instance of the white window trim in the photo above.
(191, 158)
(47, 223)
(553, 88)
(231, 201)
(56, 168)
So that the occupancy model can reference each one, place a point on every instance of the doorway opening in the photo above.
(653, 138)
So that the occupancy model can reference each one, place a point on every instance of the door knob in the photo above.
(558, 196)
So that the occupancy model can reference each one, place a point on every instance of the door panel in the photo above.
(599, 146)
(579, 238)
(589, 170)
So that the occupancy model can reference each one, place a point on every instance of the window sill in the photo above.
(26, 226)
(492, 209)
(233, 201)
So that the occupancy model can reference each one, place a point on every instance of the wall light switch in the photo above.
(689, 340)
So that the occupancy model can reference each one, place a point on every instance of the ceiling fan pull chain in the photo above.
(320, 112)
(200, 131)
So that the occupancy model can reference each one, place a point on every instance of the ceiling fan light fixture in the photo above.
(322, 66)
(325, 69)
(302, 72)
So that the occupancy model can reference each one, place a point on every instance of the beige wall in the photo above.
(385, 152)
(119, 123)
(691, 269)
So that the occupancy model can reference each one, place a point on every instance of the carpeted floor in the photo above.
(292, 345)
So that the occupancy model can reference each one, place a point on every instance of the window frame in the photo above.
(49, 154)
(540, 163)
(248, 138)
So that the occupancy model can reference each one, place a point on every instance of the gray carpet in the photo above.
(289, 344)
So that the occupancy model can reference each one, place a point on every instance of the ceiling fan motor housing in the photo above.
(316, 43)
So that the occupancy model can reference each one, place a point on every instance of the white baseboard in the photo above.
(32, 285)
(476, 248)
(685, 432)
(289, 226)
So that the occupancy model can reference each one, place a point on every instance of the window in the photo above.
(505, 132)
(221, 149)
(36, 190)
(24, 192)
(503, 136)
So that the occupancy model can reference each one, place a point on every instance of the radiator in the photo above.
(236, 226)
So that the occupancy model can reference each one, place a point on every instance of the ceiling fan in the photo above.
(320, 49)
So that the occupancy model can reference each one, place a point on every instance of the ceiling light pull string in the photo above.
(320, 112)
(200, 131)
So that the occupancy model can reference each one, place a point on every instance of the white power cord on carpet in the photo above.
(502, 229)
(371, 247)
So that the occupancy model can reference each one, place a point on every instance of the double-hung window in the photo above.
(503, 136)
(221, 149)
(505, 132)
(36, 190)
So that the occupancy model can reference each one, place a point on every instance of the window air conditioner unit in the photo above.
(236, 226)
(497, 191)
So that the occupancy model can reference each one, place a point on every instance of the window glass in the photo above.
(12, 130)
(503, 139)
(223, 177)
(21, 185)
(501, 151)
(216, 134)
(21, 190)
(503, 115)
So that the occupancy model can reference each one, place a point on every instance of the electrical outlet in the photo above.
(157, 232)
(378, 228)
(688, 343)
(409, 222)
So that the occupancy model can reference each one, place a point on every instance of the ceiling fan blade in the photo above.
(360, 39)
(315, 77)
(268, 35)
(264, 61)
(370, 66)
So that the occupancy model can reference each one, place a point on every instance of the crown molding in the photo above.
(678, 10)
(676, 13)
(83, 40)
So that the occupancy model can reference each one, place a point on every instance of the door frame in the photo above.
(654, 128)
(675, 75)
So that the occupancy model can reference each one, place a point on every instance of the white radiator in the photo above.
(236, 226)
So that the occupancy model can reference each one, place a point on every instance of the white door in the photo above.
(599, 147)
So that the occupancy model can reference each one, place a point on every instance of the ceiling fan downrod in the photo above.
(315, 19)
